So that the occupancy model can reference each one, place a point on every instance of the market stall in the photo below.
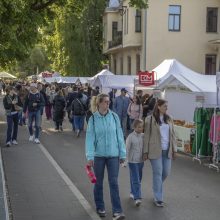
(108, 82)
(104, 72)
(181, 87)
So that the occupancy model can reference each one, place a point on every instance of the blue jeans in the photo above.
(161, 169)
(20, 118)
(12, 129)
(78, 121)
(112, 164)
(34, 116)
(135, 179)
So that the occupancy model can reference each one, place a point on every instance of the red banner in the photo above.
(46, 75)
(146, 78)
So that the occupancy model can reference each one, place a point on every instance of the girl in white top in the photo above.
(134, 145)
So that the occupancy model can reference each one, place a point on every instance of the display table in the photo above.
(184, 138)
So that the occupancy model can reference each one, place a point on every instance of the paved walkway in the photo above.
(39, 191)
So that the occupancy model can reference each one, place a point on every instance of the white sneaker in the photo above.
(131, 196)
(14, 142)
(31, 138)
(8, 144)
(118, 216)
(36, 141)
(137, 202)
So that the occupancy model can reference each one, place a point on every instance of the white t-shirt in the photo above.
(165, 133)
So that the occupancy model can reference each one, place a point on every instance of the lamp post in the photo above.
(122, 11)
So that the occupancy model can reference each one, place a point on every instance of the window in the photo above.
(129, 65)
(114, 30)
(138, 21)
(212, 20)
(210, 65)
(174, 17)
(138, 63)
(121, 67)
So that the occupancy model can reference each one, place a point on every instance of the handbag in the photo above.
(18, 108)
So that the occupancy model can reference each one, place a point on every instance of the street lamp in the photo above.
(122, 12)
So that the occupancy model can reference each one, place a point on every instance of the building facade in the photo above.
(188, 31)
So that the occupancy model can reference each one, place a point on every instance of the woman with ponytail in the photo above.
(105, 147)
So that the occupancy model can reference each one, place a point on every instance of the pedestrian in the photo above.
(159, 147)
(79, 113)
(40, 88)
(135, 109)
(33, 103)
(134, 149)
(58, 110)
(12, 105)
(48, 103)
(105, 147)
(112, 95)
(120, 106)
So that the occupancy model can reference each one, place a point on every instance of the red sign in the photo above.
(146, 78)
(46, 74)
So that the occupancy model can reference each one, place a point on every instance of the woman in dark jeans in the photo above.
(105, 148)
(58, 110)
(12, 105)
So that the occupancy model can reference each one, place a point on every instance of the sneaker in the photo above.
(8, 144)
(137, 202)
(31, 138)
(159, 203)
(131, 196)
(61, 128)
(118, 216)
(36, 141)
(14, 142)
(77, 133)
(56, 129)
(101, 213)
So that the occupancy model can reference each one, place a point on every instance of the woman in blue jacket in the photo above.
(105, 147)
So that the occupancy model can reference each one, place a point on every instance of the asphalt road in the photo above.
(192, 191)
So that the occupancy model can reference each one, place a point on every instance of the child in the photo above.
(134, 145)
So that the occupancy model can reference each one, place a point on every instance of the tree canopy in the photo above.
(69, 31)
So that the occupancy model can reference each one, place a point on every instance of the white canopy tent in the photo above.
(7, 75)
(182, 87)
(108, 82)
(84, 80)
(102, 73)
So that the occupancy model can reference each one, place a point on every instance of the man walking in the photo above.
(120, 106)
(33, 103)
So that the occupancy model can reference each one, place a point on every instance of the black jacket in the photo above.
(78, 108)
(7, 102)
(33, 98)
(58, 108)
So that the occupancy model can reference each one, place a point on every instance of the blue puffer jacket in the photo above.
(104, 137)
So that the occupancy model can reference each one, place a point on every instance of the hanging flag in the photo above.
(146, 78)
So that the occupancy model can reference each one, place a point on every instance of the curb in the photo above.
(4, 196)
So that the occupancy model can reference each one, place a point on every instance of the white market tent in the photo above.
(182, 86)
(108, 82)
(102, 73)
(84, 80)
(7, 75)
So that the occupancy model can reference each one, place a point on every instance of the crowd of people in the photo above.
(120, 130)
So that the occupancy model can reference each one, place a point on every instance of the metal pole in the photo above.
(145, 41)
